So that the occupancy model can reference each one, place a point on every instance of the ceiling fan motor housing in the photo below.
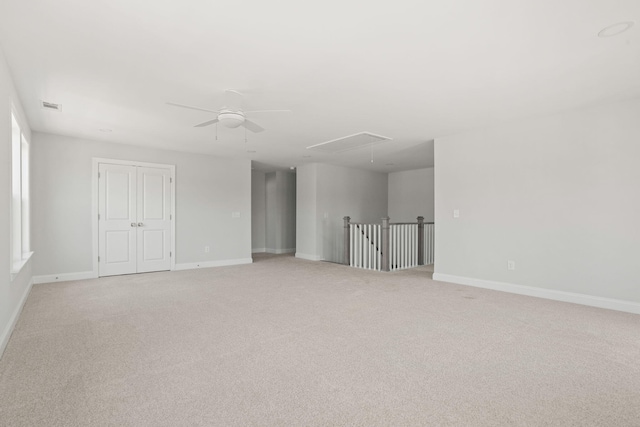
(231, 119)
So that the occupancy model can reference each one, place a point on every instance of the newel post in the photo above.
(420, 240)
(385, 244)
(347, 241)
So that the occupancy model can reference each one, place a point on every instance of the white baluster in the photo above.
(370, 246)
(366, 247)
(410, 244)
(411, 248)
(396, 248)
(351, 244)
(403, 265)
(358, 246)
(360, 237)
(377, 247)
(392, 246)
(415, 245)
(354, 249)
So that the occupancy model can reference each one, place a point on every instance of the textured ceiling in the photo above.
(410, 70)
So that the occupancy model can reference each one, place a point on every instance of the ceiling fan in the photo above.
(231, 115)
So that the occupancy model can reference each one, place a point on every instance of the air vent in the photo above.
(51, 106)
(351, 142)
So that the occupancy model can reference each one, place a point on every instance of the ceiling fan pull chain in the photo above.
(216, 131)
(371, 152)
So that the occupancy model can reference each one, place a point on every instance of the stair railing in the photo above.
(388, 246)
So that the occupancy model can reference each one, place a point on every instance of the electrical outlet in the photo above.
(235, 215)
(511, 265)
(207, 249)
(456, 213)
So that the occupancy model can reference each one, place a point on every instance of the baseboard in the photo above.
(308, 257)
(208, 264)
(64, 277)
(258, 250)
(280, 251)
(8, 330)
(590, 300)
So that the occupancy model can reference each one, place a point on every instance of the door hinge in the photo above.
(98, 216)
(170, 180)
(98, 258)
(98, 175)
(170, 255)
(170, 216)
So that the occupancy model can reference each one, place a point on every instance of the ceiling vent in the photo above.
(51, 106)
(351, 142)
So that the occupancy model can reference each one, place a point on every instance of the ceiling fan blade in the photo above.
(253, 127)
(267, 111)
(192, 108)
(207, 123)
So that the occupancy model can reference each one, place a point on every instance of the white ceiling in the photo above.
(409, 70)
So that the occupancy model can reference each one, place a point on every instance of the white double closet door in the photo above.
(134, 219)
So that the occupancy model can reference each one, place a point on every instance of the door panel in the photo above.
(117, 247)
(154, 219)
(153, 186)
(117, 213)
(118, 197)
(153, 241)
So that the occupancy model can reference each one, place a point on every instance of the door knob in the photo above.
(133, 224)
(140, 224)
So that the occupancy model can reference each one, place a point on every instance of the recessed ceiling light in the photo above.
(292, 167)
(105, 130)
(251, 151)
(615, 29)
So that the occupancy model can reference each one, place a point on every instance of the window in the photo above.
(20, 248)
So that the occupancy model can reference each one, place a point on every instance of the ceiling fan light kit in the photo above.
(231, 119)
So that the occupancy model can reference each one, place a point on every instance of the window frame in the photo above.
(19, 202)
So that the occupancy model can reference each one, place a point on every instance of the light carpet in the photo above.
(289, 342)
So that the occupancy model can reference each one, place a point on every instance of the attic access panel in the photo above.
(351, 142)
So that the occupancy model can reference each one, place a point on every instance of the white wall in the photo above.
(287, 194)
(258, 211)
(13, 291)
(340, 192)
(281, 212)
(272, 213)
(208, 190)
(558, 195)
(307, 232)
(411, 195)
